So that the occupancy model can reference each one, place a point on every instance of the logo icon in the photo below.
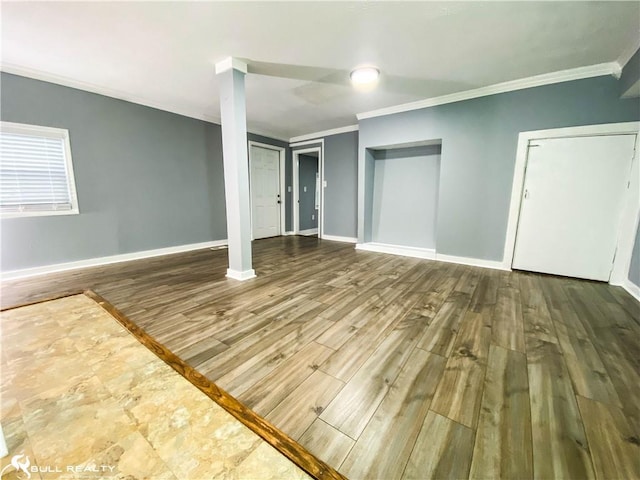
(18, 465)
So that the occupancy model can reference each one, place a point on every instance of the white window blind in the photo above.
(36, 176)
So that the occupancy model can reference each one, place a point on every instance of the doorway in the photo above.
(266, 170)
(575, 202)
(307, 191)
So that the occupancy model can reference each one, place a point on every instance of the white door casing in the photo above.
(572, 199)
(296, 182)
(266, 200)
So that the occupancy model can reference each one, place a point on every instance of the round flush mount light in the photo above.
(364, 76)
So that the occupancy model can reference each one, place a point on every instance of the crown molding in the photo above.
(106, 91)
(120, 95)
(264, 133)
(324, 133)
(231, 63)
(627, 53)
(315, 141)
(611, 68)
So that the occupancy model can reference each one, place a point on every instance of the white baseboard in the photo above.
(286, 234)
(430, 254)
(632, 288)
(415, 252)
(337, 238)
(309, 231)
(95, 262)
(241, 275)
(474, 262)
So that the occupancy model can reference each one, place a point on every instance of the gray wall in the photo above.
(145, 178)
(479, 140)
(341, 175)
(634, 270)
(307, 178)
(405, 196)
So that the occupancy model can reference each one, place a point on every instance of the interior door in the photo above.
(572, 200)
(265, 192)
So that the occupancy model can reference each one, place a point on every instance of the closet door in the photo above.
(572, 200)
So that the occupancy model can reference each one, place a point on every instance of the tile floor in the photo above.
(82, 398)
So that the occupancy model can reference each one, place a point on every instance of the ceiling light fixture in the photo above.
(364, 76)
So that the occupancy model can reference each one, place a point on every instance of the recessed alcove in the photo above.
(401, 198)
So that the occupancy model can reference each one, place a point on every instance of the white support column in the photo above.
(231, 73)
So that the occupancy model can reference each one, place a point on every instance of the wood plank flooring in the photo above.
(389, 367)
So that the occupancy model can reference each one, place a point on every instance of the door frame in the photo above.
(281, 187)
(319, 148)
(630, 214)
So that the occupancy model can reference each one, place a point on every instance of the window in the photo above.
(36, 174)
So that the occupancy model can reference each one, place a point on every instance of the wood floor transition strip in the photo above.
(272, 435)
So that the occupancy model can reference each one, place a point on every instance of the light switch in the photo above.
(304, 189)
(289, 188)
(324, 184)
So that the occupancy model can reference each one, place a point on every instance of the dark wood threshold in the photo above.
(268, 432)
(271, 434)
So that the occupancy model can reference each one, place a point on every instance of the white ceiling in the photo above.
(163, 53)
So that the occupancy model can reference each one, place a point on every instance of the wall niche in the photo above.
(401, 198)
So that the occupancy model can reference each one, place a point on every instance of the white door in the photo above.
(571, 205)
(265, 192)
